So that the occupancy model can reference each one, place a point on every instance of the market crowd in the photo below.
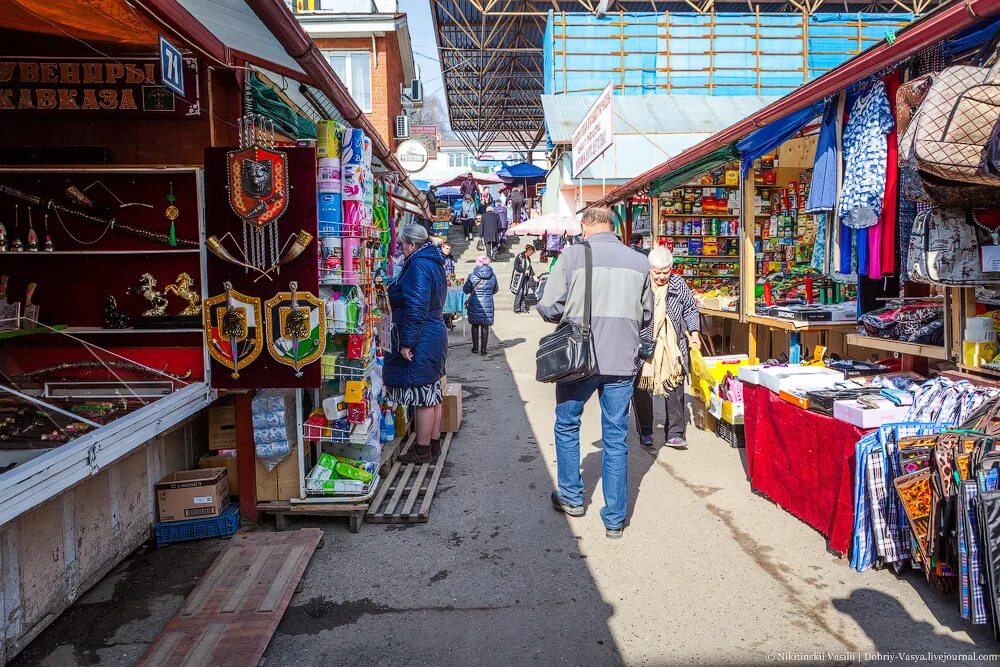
(643, 322)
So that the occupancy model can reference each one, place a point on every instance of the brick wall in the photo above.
(387, 75)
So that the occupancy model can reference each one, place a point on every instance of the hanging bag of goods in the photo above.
(951, 128)
(945, 249)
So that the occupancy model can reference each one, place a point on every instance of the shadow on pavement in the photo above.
(892, 629)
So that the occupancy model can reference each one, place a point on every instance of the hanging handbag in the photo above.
(950, 129)
(567, 354)
(944, 249)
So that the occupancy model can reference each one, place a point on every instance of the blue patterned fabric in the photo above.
(863, 552)
(865, 155)
(823, 187)
(818, 261)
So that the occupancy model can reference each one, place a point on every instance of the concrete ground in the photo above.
(707, 572)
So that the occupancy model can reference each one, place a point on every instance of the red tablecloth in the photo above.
(803, 461)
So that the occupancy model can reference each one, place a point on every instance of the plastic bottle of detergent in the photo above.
(340, 314)
(352, 311)
(388, 430)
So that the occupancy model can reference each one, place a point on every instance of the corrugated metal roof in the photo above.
(652, 114)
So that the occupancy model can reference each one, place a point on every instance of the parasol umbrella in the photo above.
(478, 177)
(552, 223)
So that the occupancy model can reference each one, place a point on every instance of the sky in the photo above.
(424, 45)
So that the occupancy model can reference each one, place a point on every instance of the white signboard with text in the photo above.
(595, 133)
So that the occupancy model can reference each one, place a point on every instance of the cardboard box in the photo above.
(281, 483)
(222, 427)
(229, 463)
(795, 399)
(780, 378)
(192, 494)
(852, 412)
(451, 416)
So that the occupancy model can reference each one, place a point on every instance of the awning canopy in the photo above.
(694, 168)
(522, 172)
(929, 30)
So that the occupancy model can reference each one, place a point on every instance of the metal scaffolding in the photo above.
(491, 55)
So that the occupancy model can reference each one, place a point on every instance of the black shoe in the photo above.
(560, 506)
(475, 350)
(483, 352)
(418, 455)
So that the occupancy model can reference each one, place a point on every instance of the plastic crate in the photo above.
(224, 525)
(734, 435)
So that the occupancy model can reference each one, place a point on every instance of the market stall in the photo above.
(867, 227)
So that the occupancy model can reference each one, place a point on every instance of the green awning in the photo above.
(264, 100)
(694, 169)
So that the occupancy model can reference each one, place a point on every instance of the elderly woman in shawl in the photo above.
(674, 329)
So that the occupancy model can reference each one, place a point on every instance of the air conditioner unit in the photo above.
(416, 91)
(402, 127)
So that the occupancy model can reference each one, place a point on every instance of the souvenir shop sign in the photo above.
(94, 86)
(596, 132)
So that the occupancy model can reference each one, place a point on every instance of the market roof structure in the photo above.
(721, 147)
(491, 54)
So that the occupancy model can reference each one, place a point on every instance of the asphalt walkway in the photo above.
(707, 572)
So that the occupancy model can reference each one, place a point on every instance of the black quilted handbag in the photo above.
(567, 354)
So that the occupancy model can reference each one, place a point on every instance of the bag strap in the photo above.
(589, 279)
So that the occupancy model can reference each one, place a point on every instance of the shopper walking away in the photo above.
(622, 304)
(674, 329)
(491, 232)
(523, 278)
(481, 285)
(415, 363)
(468, 216)
(516, 202)
(637, 242)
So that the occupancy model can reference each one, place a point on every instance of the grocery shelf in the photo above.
(699, 215)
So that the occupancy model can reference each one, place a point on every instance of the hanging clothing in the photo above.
(865, 152)
(820, 254)
(890, 205)
(823, 189)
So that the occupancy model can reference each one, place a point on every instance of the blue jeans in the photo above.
(614, 393)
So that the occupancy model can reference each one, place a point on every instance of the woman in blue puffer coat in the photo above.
(415, 363)
(481, 286)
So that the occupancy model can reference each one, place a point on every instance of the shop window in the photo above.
(354, 68)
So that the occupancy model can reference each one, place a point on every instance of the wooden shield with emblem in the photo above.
(295, 328)
(233, 329)
(258, 184)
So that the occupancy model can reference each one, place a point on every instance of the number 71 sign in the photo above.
(171, 67)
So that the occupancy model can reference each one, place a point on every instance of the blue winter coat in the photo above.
(481, 285)
(417, 299)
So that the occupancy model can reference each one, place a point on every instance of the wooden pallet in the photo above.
(407, 492)
(282, 509)
(232, 613)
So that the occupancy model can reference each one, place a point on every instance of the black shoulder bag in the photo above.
(567, 354)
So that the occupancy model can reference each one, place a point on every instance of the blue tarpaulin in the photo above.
(690, 53)
(769, 137)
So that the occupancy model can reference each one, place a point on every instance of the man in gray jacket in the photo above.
(621, 304)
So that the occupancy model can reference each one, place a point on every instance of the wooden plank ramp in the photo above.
(230, 616)
(407, 492)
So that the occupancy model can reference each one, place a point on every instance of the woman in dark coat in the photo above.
(481, 286)
(491, 232)
(415, 363)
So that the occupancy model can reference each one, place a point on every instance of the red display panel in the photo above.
(300, 214)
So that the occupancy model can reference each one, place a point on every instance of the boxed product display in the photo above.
(191, 494)
(788, 378)
(860, 413)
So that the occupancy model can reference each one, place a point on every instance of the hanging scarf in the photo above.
(666, 370)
